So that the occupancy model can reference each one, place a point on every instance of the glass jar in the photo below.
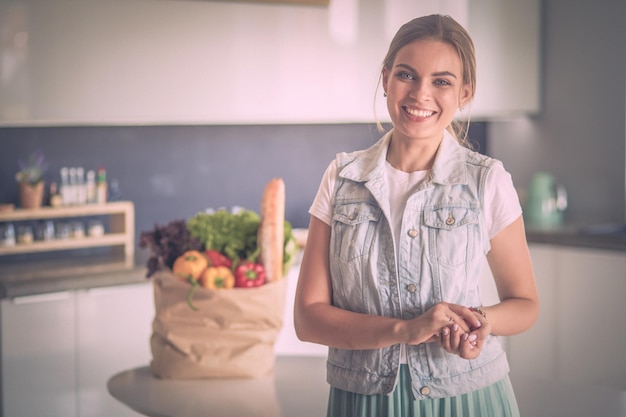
(25, 235)
(64, 231)
(78, 230)
(7, 234)
(95, 228)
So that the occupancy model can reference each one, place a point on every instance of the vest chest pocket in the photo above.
(354, 225)
(454, 233)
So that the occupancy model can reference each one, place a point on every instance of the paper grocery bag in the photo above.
(230, 335)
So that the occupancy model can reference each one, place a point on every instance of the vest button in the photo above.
(424, 390)
(412, 233)
(411, 288)
(450, 221)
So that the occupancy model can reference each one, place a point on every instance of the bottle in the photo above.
(65, 186)
(101, 186)
(55, 198)
(73, 187)
(81, 187)
(91, 187)
(48, 230)
(114, 190)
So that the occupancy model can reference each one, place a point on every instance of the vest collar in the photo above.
(448, 168)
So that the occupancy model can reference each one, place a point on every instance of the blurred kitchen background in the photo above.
(197, 104)
(194, 104)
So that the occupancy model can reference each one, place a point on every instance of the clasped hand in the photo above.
(457, 329)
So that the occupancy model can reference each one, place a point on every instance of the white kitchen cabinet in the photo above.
(114, 325)
(534, 352)
(164, 62)
(37, 349)
(590, 334)
(59, 350)
(579, 335)
(507, 38)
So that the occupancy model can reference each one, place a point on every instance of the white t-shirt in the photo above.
(501, 205)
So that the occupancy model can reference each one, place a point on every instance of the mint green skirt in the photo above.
(496, 400)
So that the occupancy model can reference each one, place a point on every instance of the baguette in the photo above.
(271, 229)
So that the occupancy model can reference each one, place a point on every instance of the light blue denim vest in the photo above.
(440, 253)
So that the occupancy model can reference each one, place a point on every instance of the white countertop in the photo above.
(298, 388)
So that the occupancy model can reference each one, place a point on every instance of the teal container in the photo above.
(546, 202)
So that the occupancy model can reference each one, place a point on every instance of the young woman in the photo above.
(398, 232)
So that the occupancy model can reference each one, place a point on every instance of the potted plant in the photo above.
(30, 179)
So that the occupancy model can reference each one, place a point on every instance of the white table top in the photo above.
(298, 388)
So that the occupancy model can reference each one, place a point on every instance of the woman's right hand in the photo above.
(441, 317)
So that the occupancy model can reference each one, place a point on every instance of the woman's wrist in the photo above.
(410, 332)
(479, 310)
(401, 332)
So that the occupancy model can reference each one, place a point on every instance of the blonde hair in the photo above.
(445, 29)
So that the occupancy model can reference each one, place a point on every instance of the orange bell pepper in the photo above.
(189, 266)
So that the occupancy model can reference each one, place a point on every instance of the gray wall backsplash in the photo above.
(172, 172)
(580, 134)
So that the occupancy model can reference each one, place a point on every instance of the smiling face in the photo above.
(424, 87)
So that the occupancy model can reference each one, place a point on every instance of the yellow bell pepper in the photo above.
(217, 277)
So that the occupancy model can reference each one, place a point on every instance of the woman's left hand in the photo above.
(466, 345)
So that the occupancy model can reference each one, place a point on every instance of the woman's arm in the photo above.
(511, 266)
(518, 308)
(317, 321)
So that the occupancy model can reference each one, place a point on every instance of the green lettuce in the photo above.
(234, 234)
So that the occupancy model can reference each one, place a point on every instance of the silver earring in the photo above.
(385, 94)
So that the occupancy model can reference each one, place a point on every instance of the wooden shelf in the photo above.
(121, 228)
(69, 211)
(111, 239)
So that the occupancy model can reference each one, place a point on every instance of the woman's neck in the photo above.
(412, 155)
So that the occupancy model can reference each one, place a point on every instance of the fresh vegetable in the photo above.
(250, 274)
(217, 259)
(166, 243)
(235, 235)
(189, 267)
(218, 277)
(232, 234)
(223, 249)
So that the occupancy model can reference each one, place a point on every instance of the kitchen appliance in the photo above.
(546, 202)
